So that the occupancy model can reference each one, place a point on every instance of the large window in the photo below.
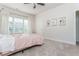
(18, 25)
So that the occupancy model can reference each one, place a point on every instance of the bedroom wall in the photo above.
(9, 11)
(67, 33)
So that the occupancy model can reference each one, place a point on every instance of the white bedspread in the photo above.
(7, 43)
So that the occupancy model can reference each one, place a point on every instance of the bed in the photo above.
(20, 42)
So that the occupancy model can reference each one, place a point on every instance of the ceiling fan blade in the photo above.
(41, 4)
(27, 3)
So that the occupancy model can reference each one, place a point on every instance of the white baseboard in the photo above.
(63, 41)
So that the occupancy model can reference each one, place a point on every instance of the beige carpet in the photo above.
(51, 48)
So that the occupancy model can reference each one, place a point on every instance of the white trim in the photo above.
(63, 41)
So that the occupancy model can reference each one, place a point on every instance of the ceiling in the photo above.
(28, 8)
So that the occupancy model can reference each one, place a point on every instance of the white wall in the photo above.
(65, 33)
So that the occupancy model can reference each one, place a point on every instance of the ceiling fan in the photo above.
(35, 4)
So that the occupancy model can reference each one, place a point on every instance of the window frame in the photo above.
(13, 18)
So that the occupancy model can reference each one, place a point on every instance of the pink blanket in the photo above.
(27, 40)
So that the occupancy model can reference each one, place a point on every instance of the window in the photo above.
(18, 25)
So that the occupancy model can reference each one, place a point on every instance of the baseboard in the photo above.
(63, 41)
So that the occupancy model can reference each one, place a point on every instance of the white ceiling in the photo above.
(28, 8)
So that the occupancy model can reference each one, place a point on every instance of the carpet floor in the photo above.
(51, 48)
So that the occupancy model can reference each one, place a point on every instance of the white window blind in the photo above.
(18, 25)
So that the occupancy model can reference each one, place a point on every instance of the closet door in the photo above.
(77, 27)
